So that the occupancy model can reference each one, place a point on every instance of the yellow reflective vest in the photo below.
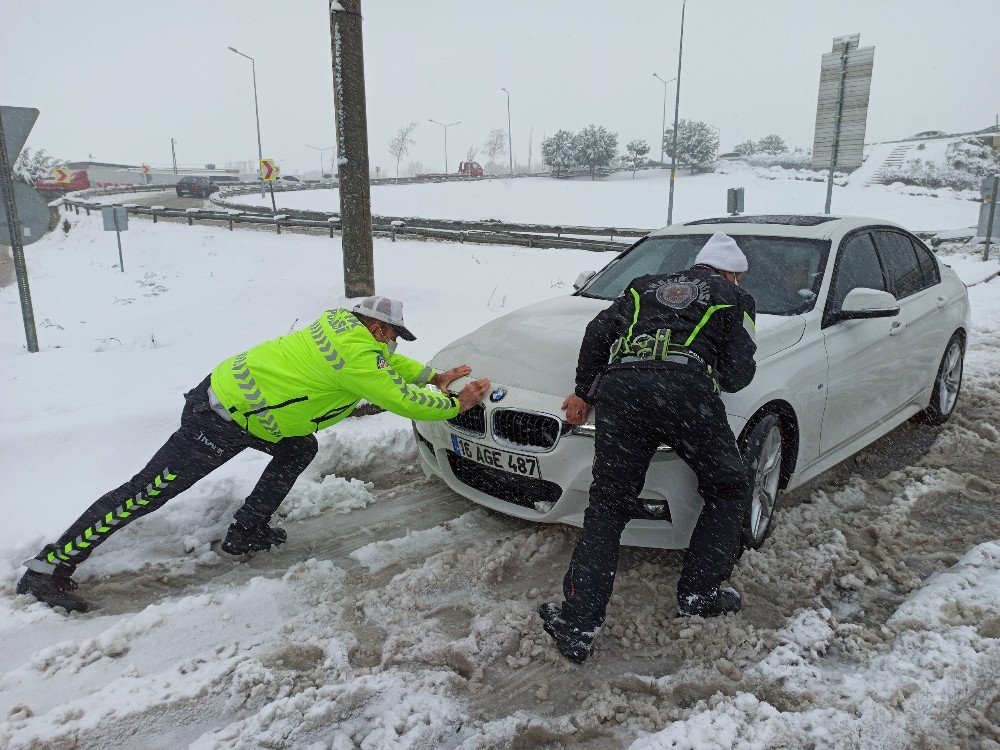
(313, 378)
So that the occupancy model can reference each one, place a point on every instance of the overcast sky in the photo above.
(118, 78)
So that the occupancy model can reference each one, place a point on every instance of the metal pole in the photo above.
(663, 127)
(173, 153)
(352, 147)
(836, 130)
(118, 233)
(17, 246)
(989, 219)
(256, 110)
(510, 143)
(445, 139)
(677, 107)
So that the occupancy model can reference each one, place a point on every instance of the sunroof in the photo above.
(788, 219)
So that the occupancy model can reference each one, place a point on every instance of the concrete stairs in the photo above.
(895, 158)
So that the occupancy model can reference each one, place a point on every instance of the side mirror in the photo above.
(864, 303)
(583, 278)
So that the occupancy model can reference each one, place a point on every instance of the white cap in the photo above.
(722, 252)
(388, 311)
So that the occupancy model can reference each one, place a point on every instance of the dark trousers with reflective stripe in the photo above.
(637, 411)
(203, 442)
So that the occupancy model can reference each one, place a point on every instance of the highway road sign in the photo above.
(146, 169)
(269, 170)
(845, 82)
(32, 214)
(62, 175)
(17, 123)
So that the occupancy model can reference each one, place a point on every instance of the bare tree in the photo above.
(635, 156)
(495, 146)
(531, 136)
(399, 146)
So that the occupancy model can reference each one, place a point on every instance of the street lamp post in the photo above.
(173, 153)
(445, 139)
(663, 128)
(321, 150)
(677, 107)
(256, 109)
(510, 143)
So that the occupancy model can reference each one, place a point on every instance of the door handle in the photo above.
(896, 328)
(941, 302)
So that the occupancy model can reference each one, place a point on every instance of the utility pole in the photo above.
(510, 143)
(256, 110)
(352, 147)
(677, 109)
(173, 153)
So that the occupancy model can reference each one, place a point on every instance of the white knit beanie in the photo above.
(722, 252)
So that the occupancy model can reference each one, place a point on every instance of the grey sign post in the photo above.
(988, 213)
(116, 220)
(845, 82)
(734, 201)
(15, 124)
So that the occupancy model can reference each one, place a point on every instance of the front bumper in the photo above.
(562, 494)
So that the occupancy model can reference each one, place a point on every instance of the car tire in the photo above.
(180, 194)
(947, 384)
(763, 450)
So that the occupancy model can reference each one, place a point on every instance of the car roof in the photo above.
(811, 226)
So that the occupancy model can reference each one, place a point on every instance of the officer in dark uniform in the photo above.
(675, 340)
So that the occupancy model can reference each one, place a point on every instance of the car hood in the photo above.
(536, 347)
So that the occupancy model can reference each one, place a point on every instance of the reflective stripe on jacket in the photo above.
(313, 378)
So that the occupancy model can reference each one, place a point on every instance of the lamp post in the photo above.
(173, 153)
(510, 143)
(321, 150)
(677, 107)
(663, 128)
(256, 109)
(445, 139)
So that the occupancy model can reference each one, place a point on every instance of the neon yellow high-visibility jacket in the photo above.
(313, 378)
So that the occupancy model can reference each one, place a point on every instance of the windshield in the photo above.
(783, 277)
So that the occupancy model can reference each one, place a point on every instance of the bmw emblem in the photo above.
(498, 395)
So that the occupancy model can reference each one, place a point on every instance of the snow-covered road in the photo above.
(401, 616)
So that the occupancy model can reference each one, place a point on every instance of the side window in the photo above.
(857, 267)
(905, 275)
(927, 262)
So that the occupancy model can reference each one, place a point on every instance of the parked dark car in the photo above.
(196, 187)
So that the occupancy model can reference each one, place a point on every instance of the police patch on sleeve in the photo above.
(380, 362)
(682, 292)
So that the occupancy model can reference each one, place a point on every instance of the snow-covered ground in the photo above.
(641, 202)
(401, 616)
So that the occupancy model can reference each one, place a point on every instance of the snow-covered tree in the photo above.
(971, 156)
(414, 168)
(29, 167)
(399, 146)
(635, 155)
(558, 151)
(772, 144)
(595, 146)
(495, 146)
(697, 144)
(746, 148)
(471, 154)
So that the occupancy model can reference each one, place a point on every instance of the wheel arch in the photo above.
(789, 433)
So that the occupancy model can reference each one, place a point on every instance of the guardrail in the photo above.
(484, 232)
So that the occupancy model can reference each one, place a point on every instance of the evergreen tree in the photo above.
(772, 144)
(595, 146)
(697, 144)
(30, 167)
(635, 156)
(558, 151)
(747, 148)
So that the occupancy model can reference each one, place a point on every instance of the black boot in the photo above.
(240, 539)
(573, 644)
(724, 601)
(52, 589)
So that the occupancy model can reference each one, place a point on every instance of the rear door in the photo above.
(863, 357)
(915, 281)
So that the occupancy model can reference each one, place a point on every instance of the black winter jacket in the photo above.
(705, 313)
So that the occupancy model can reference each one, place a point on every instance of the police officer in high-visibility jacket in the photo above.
(272, 397)
(653, 365)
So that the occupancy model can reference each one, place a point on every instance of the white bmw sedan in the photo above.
(859, 328)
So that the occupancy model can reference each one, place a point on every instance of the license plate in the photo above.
(515, 463)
